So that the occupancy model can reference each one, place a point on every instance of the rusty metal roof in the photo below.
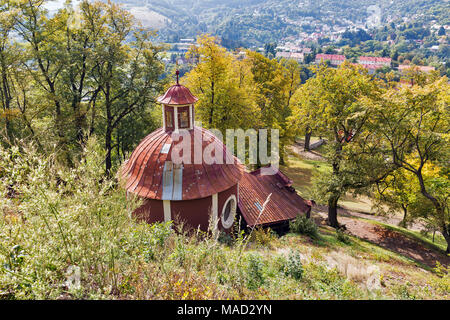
(151, 173)
(284, 204)
(177, 95)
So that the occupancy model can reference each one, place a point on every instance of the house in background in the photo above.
(198, 192)
(375, 61)
(371, 68)
(335, 59)
(297, 56)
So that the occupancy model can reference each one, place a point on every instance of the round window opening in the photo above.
(229, 212)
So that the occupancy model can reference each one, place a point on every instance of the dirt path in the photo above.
(299, 148)
(388, 219)
(395, 241)
(389, 239)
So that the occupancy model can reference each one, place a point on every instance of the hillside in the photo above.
(95, 204)
(78, 242)
(255, 22)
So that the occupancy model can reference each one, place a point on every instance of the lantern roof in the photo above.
(177, 95)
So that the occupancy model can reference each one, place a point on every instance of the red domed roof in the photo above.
(177, 95)
(150, 172)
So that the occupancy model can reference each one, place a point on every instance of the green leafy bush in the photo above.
(225, 238)
(255, 276)
(342, 236)
(293, 266)
(263, 237)
(303, 225)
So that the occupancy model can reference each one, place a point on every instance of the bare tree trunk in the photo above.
(108, 147)
(335, 195)
(446, 233)
(211, 113)
(308, 139)
(6, 97)
(332, 211)
(405, 212)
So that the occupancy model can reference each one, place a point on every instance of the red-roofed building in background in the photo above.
(372, 68)
(200, 192)
(297, 56)
(375, 61)
(335, 59)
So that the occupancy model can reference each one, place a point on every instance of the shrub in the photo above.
(263, 236)
(293, 266)
(255, 276)
(70, 221)
(342, 236)
(304, 225)
(330, 283)
(225, 238)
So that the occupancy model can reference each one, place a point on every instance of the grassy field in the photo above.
(301, 172)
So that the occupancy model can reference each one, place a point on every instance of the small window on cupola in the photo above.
(184, 119)
(169, 119)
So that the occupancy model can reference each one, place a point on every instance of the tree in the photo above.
(270, 48)
(208, 78)
(127, 73)
(224, 86)
(398, 191)
(8, 60)
(45, 62)
(78, 72)
(415, 121)
(441, 31)
(274, 88)
(394, 55)
(335, 103)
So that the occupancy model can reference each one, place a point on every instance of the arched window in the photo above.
(229, 212)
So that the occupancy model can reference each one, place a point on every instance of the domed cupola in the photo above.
(203, 186)
(178, 107)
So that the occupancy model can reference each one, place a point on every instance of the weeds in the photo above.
(255, 277)
(293, 266)
(263, 237)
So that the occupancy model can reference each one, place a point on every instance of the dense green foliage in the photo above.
(74, 73)
(304, 225)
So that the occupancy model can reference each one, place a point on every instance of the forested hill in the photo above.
(255, 22)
